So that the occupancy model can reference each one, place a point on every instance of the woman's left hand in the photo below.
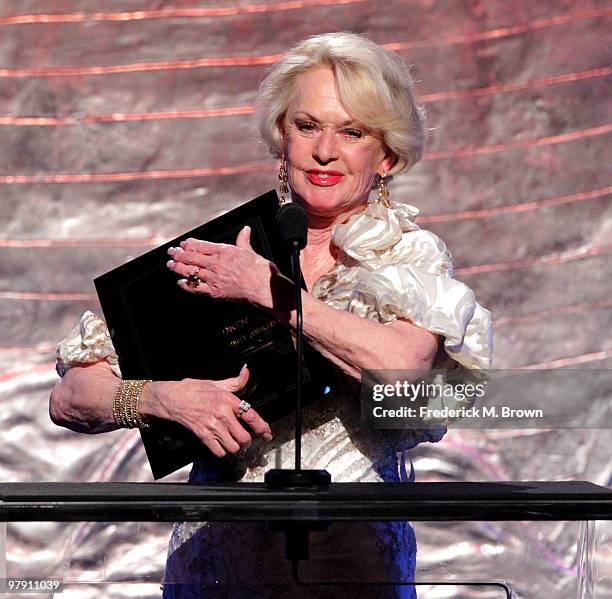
(219, 270)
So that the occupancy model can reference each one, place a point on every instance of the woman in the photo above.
(339, 113)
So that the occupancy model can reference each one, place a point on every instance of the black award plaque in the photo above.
(160, 332)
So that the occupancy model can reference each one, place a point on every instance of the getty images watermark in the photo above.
(462, 398)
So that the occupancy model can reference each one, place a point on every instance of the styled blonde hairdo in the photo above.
(374, 86)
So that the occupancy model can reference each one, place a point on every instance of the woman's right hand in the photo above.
(208, 408)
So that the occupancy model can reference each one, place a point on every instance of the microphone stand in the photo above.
(296, 532)
(283, 478)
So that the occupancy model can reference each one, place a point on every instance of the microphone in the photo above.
(293, 223)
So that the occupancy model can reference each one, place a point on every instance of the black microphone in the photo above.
(293, 223)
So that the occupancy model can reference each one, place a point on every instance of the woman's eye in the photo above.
(353, 133)
(306, 127)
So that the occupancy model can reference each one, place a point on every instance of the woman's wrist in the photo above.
(151, 404)
(282, 297)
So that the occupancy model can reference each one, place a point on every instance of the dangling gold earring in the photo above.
(383, 191)
(282, 177)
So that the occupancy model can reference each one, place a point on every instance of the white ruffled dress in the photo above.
(388, 268)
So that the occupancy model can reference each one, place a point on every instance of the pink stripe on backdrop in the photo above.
(121, 117)
(239, 61)
(170, 13)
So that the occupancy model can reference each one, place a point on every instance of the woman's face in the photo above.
(331, 158)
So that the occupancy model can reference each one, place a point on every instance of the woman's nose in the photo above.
(326, 148)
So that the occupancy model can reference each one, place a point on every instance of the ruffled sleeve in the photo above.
(88, 342)
(388, 268)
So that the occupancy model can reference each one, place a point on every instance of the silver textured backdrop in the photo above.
(124, 123)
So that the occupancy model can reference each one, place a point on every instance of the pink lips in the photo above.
(324, 178)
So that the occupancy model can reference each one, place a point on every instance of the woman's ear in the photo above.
(388, 162)
(280, 127)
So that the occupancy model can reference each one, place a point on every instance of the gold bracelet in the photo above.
(118, 402)
(125, 404)
(138, 418)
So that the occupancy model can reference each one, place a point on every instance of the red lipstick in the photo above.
(324, 178)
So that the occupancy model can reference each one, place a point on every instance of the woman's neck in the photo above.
(320, 254)
(318, 238)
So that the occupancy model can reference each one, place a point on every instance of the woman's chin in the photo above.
(325, 201)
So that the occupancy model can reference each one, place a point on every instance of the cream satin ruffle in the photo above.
(88, 342)
(388, 268)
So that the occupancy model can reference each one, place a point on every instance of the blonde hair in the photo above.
(374, 86)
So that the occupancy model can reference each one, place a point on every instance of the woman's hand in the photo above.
(233, 272)
(208, 408)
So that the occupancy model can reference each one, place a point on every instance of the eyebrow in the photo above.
(314, 118)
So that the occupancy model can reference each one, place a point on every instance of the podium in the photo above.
(341, 502)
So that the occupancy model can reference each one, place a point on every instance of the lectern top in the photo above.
(511, 500)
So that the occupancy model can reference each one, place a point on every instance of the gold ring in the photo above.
(193, 281)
